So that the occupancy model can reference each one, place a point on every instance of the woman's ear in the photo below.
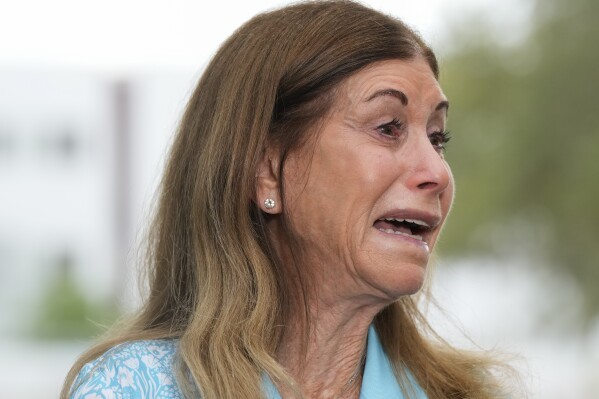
(268, 183)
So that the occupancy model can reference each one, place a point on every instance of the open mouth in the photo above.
(412, 228)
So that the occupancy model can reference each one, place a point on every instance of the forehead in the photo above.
(412, 77)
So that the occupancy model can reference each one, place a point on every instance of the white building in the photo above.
(79, 159)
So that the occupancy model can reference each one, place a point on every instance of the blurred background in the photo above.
(90, 96)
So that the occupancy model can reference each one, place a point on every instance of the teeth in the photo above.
(400, 233)
(415, 221)
(418, 222)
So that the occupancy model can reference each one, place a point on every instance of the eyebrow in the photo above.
(390, 92)
(400, 95)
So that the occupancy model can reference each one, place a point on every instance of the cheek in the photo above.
(329, 194)
(309, 200)
(354, 177)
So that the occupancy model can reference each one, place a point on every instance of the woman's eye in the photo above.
(390, 129)
(439, 140)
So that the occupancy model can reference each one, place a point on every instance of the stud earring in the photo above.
(269, 203)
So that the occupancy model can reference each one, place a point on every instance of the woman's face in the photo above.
(367, 196)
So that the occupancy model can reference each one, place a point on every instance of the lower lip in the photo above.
(415, 241)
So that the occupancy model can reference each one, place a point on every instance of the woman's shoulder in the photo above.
(136, 370)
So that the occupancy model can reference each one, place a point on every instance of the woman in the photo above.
(303, 194)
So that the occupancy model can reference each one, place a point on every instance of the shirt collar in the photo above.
(379, 381)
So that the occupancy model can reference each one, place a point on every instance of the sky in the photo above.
(121, 36)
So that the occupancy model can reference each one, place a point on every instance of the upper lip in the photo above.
(432, 220)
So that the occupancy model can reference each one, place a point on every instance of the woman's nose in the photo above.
(429, 171)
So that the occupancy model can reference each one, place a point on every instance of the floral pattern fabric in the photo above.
(133, 370)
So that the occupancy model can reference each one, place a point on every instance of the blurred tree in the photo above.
(65, 312)
(526, 144)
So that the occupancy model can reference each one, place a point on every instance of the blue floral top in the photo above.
(144, 370)
(133, 370)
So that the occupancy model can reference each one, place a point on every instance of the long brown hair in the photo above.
(214, 281)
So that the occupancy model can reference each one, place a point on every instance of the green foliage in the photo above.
(65, 312)
(526, 141)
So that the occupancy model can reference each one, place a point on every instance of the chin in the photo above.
(412, 282)
(401, 281)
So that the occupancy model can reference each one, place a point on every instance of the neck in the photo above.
(326, 355)
(324, 340)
